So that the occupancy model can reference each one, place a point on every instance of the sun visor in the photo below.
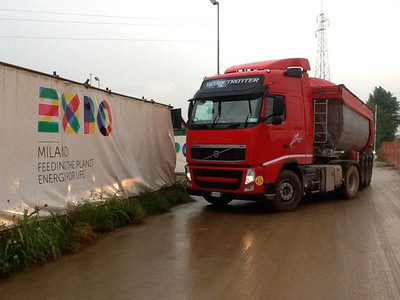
(231, 86)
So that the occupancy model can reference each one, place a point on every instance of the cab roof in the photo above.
(279, 64)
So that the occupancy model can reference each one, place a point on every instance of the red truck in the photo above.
(267, 130)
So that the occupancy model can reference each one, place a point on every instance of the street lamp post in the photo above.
(98, 81)
(376, 120)
(215, 2)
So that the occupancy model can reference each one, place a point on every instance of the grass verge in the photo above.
(34, 241)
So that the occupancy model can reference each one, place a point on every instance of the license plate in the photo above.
(216, 194)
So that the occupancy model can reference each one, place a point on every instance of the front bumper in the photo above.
(237, 196)
(202, 180)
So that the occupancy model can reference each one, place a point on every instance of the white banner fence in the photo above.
(62, 142)
(180, 149)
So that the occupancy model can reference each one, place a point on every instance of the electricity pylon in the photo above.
(322, 67)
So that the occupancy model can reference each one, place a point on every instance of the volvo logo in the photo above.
(217, 153)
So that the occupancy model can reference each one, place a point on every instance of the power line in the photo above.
(99, 23)
(99, 39)
(94, 15)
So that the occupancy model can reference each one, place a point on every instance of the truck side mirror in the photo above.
(276, 120)
(190, 110)
(294, 72)
(176, 116)
(279, 105)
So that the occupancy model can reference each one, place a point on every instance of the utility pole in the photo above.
(98, 81)
(322, 67)
(375, 119)
(215, 2)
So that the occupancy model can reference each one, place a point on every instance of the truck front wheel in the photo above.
(287, 191)
(351, 182)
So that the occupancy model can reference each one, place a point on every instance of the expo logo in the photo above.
(49, 109)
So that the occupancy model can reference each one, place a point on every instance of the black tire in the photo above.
(351, 182)
(218, 201)
(369, 171)
(366, 173)
(363, 172)
(288, 191)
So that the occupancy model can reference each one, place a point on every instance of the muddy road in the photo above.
(326, 249)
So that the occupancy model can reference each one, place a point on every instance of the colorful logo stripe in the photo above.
(48, 109)
(89, 120)
(104, 118)
(70, 105)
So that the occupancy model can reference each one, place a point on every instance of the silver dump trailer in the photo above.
(342, 122)
(343, 140)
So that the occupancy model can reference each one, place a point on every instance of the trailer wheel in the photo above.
(218, 201)
(363, 172)
(351, 182)
(287, 191)
(369, 171)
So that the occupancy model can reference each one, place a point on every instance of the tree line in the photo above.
(387, 114)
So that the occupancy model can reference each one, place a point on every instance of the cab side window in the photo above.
(271, 101)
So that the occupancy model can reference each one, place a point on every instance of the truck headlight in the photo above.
(187, 171)
(250, 176)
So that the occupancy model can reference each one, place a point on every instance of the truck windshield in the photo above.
(226, 112)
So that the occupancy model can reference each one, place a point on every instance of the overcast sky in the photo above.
(165, 48)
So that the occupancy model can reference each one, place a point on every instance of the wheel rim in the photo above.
(353, 182)
(286, 191)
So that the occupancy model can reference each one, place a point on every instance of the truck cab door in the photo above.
(297, 135)
(277, 129)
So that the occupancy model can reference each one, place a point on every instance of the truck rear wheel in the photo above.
(218, 201)
(351, 182)
(369, 171)
(287, 191)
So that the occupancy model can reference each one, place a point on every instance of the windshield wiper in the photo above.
(248, 115)
(215, 121)
(246, 121)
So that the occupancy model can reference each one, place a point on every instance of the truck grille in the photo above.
(224, 153)
(218, 179)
